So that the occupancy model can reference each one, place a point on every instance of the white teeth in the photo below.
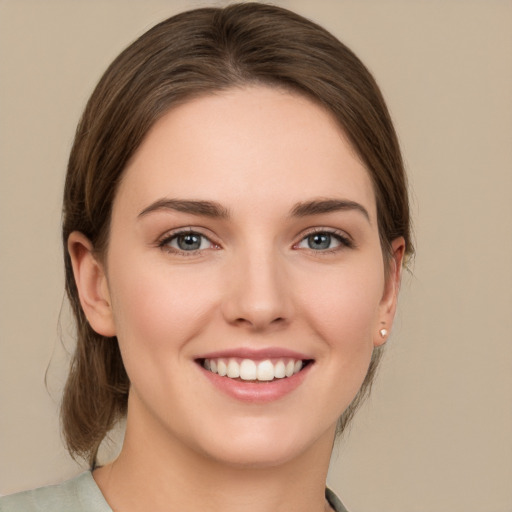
(233, 369)
(265, 370)
(279, 370)
(222, 368)
(247, 369)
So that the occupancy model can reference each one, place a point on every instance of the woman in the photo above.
(235, 224)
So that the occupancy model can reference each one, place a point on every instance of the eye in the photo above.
(324, 241)
(188, 241)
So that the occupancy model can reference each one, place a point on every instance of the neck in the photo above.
(166, 475)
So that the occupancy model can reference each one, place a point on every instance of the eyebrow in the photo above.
(203, 208)
(215, 210)
(320, 206)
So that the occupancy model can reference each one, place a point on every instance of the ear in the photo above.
(92, 284)
(388, 303)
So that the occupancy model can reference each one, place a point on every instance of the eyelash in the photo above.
(169, 237)
(345, 242)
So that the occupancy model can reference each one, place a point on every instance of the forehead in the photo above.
(263, 144)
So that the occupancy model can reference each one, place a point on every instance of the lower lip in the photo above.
(257, 392)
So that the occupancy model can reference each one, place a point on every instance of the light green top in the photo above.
(81, 494)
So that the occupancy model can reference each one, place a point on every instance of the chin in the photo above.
(265, 446)
(256, 456)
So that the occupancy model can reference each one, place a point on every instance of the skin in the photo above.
(255, 282)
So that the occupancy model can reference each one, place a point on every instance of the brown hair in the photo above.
(188, 55)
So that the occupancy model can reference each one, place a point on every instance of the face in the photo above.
(244, 277)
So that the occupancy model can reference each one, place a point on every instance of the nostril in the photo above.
(260, 322)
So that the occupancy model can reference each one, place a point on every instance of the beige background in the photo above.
(437, 433)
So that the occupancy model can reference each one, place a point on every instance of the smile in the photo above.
(256, 376)
(253, 370)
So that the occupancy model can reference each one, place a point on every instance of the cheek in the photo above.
(158, 311)
(344, 305)
(344, 313)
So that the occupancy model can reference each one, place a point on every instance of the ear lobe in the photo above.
(92, 285)
(387, 306)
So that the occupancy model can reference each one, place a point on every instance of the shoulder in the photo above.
(80, 494)
(334, 501)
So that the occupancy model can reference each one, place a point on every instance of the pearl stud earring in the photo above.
(383, 333)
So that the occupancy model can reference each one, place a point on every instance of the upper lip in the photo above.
(255, 354)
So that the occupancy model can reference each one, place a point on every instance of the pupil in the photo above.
(189, 242)
(319, 241)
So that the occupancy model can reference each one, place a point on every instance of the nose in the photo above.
(258, 293)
